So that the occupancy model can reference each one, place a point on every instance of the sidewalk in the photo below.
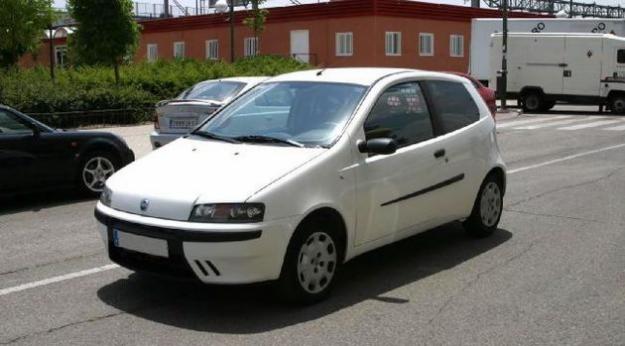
(137, 137)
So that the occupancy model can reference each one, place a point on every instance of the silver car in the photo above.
(178, 116)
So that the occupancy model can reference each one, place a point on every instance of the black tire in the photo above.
(617, 104)
(483, 222)
(532, 102)
(89, 162)
(290, 286)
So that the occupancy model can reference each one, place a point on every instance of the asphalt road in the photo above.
(554, 273)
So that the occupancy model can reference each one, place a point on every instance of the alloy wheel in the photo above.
(96, 171)
(490, 204)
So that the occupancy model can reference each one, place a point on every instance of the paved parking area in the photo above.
(552, 274)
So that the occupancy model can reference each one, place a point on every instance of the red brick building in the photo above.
(391, 33)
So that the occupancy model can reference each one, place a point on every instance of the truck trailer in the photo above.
(482, 28)
(546, 68)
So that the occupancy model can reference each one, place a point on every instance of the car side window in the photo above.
(11, 126)
(454, 106)
(402, 114)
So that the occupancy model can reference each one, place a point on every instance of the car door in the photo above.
(464, 141)
(17, 162)
(395, 192)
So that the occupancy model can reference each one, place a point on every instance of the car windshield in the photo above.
(288, 113)
(213, 90)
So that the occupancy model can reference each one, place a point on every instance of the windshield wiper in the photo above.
(268, 139)
(214, 136)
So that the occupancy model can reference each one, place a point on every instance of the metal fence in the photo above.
(95, 118)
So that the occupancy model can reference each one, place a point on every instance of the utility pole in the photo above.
(232, 31)
(570, 8)
(51, 44)
(503, 87)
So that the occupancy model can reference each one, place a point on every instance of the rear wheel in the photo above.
(532, 102)
(617, 104)
(487, 209)
(310, 265)
(96, 167)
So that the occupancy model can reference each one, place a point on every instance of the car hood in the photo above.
(193, 171)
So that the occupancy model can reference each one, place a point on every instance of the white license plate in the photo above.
(182, 123)
(139, 243)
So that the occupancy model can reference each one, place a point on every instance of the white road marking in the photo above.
(616, 128)
(96, 270)
(533, 120)
(589, 125)
(566, 158)
(55, 279)
(554, 123)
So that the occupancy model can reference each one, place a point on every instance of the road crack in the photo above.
(554, 216)
(477, 277)
(566, 187)
(18, 270)
(52, 330)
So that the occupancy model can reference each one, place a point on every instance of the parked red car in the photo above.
(487, 94)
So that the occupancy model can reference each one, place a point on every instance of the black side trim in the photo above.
(176, 234)
(426, 190)
(613, 81)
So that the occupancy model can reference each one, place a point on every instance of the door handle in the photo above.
(439, 153)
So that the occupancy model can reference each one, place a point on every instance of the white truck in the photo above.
(554, 67)
(482, 28)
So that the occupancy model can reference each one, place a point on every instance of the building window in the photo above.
(152, 52)
(426, 44)
(250, 46)
(456, 46)
(60, 56)
(212, 49)
(393, 43)
(344, 44)
(179, 50)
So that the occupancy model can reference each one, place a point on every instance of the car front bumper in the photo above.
(159, 139)
(212, 253)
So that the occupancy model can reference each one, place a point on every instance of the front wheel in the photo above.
(487, 209)
(95, 169)
(310, 264)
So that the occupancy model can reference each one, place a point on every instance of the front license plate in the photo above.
(182, 123)
(139, 243)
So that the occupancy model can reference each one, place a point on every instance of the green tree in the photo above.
(22, 26)
(256, 21)
(107, 32)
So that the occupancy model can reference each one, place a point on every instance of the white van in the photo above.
(482, 28)
(574, 68)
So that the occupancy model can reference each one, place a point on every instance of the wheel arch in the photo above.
(531, 89)
(333, 217)
(499, 173)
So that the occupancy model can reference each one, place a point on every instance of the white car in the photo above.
(176, 117)
(305, 172)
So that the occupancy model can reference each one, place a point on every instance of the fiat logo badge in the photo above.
(144, 205)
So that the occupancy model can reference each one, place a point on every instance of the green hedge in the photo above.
(85, 89)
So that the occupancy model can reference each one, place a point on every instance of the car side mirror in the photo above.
(36, 131)
(383, 146)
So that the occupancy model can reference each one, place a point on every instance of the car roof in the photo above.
(247, 80)
(357, 75)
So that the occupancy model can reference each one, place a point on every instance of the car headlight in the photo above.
(228, 212)
(105, 196)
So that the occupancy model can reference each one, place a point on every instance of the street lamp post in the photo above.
(51, 44)
(221, 6)
(504, 62)
(232, 31)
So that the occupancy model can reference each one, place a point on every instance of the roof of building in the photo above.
(338, 9)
